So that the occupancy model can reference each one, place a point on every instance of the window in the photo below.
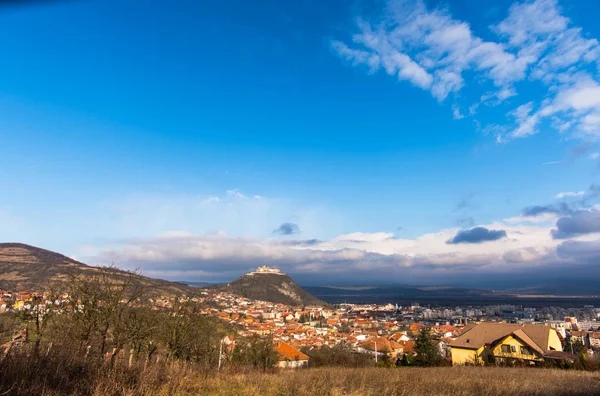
(506, 348)
(526, 351)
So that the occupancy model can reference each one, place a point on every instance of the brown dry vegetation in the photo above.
(52, 376)
(28, 268)
(406, 381)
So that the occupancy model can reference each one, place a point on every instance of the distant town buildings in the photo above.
(487, 334)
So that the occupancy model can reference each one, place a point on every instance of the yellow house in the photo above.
(493, 343)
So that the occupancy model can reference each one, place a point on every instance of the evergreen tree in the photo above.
(407, 360)
(427, 353)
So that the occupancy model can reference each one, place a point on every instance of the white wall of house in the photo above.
(292, 363)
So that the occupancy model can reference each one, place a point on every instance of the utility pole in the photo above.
(220, 354)
(375, 343)
(571, 342)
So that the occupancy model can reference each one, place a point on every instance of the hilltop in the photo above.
(25, 267)
(270, 284)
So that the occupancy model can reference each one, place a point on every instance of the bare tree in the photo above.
(100, 301)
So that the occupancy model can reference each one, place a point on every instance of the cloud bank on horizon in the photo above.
(550, 240)
(534, 44)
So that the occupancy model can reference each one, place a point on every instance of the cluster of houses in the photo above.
(374, 329)
(368, 329)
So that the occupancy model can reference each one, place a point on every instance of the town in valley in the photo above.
(384, 331)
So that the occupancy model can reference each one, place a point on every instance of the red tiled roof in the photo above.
(408, 346)
(380, 343)
(288, 352)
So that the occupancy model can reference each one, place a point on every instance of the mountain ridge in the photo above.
(29, 268)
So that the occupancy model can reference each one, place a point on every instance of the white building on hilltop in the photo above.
(266, 270)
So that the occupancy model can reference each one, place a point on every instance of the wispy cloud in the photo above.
(287, 229)
(537, 210)
(570, 194)
(428, 48)
(467, 202)
(534, 44)
(456, 113)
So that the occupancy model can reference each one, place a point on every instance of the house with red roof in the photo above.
(290, 357)
(379, 346)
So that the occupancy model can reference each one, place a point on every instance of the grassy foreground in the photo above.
(411, 381)
(51, 377)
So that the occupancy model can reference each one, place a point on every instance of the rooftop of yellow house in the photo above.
(477, 335)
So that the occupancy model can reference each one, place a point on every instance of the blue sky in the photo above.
(180, 139)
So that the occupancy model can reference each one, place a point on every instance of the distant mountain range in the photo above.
(446, 296)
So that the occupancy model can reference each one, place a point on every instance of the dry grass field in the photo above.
(400, 381)
(19, 376)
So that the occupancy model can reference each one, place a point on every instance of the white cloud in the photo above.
(529, 20)
(211, 200)
(430, 49)
(542, 36)
(522, 112)
(536, 44)
(383, 54)
(575, 107)
(591, 123)
(559, 55)
(584, 97)
(456, 113)
(570, 194)
(365, 237)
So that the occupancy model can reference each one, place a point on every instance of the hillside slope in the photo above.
(272, 287)
(25, 267)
